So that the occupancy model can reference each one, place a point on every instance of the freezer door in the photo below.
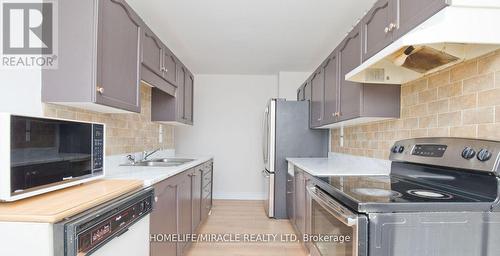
(269, 193)
(269, 136)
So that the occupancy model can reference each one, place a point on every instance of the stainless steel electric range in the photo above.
(440, 199)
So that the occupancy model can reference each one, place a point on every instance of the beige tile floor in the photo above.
(244, 217)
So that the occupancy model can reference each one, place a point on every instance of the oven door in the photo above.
(328, 219)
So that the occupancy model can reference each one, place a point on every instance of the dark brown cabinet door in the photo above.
(196, 178)
(331, 89)
(317, 98)
(300, 93)
(349, 56)
(375, 27)
(184, 207)
(169, 66)
(412, 13)
(152, 53)
(179, 93)
(119, 56)
(164, 217)
(300, 202)
(188, 98)
(290, 196)
(307, 91)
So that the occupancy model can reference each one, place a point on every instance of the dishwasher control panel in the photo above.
(88, 233)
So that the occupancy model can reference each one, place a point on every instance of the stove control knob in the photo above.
(394, 149)
(468, 153)
(398, 149)
(401, 149)
(483, 155)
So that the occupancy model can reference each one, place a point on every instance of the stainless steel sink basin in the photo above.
(161, 162)
(170, 160)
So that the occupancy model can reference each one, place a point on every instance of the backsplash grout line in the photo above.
(125, 133)
(460, 101)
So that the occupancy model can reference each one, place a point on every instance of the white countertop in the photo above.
(150, 175)
(342, 165)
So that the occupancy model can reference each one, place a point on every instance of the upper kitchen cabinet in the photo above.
(349, 93)
(331, 77)
(409, 13)
(307, 91)
(336, 101)
(159, 65)
(376, 26)
(99, 57)
(177, 108)
(188, 97)
(389, 20)
(300, 93)
(317, 98)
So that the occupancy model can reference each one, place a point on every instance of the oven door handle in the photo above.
(340, 212)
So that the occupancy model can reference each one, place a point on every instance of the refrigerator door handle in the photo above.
(265, 136)
(269, 190)
(266, 173)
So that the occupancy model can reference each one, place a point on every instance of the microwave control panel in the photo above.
(98, 146)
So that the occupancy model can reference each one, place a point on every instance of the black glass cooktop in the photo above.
(414, 188)
(393, 189)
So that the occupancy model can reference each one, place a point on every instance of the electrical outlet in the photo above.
(341, 136)
(160, 134)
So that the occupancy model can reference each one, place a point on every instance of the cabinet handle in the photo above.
(156, 199)
(100, 89)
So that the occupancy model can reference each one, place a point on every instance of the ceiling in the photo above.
(251, 36)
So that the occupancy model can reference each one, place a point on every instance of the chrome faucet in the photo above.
(145, 154)
(131, 159)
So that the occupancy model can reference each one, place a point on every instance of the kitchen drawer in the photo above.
(207, 190)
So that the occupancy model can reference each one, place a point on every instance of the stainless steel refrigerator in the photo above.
(286, 134)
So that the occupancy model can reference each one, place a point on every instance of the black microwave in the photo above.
(39, 155)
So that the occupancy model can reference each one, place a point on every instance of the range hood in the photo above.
(463, 30)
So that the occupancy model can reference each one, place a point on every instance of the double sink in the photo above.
(161, 162)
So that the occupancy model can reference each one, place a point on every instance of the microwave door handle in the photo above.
(334, 208)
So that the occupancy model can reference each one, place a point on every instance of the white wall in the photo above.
(228, 112)
(21, 92)
(289, 82)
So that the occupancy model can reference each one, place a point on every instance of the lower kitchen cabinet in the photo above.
(290, 192)
(180, 207)
(299, 220)
(299, 203)
(164, 217)
(196, 187)
(184, 208)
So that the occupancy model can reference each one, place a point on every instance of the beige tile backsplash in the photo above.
(125, 133)
(461, 101)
